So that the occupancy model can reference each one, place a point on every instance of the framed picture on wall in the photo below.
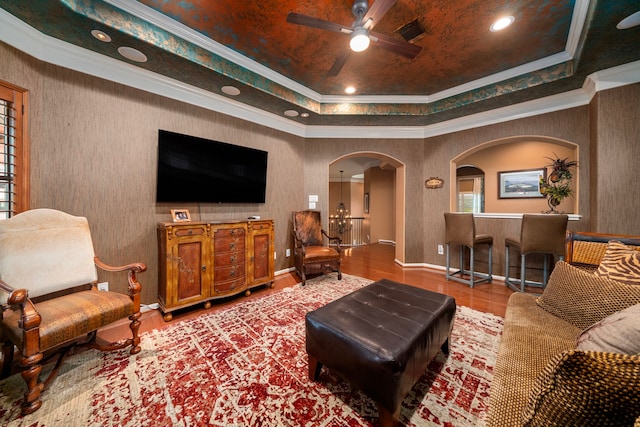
(180, 215)
(520, 184)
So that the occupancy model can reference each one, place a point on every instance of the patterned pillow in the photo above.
(582, 298)
(618, 333)
(585, 389)
(621, 263)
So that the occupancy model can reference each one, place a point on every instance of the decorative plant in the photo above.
(557, 186)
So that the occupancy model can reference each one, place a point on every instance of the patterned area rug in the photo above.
(247, 366)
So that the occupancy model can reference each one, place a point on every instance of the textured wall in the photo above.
(616, 157)
(321, 152)
(569, 125)
(94, 151)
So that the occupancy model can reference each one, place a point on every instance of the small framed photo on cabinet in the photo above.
(180, 215)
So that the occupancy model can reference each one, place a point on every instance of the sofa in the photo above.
(570, 356)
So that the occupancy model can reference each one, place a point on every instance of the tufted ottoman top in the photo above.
(381, 337)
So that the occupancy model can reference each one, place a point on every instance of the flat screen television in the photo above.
(192, 169)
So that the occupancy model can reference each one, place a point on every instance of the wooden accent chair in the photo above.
(310, 254)
(48, 296)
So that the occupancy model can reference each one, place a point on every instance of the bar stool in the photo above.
(539, 233)
(460, 229)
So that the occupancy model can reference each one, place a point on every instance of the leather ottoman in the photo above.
(380, 338)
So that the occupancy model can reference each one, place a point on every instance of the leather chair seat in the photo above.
(320, 253)
(483, 239)
(380, 338)
(70, 316)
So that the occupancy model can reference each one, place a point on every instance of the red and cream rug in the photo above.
(247, 366)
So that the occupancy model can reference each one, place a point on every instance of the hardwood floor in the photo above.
(372, 262)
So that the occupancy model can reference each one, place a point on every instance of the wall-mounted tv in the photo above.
(192, 169)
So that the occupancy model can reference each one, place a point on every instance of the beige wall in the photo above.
(518, 155)
(381, 188)
(93, 153)
(615, 157)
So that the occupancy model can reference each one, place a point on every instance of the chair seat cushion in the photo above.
(70, 316)
(320, 253)
(483, 239)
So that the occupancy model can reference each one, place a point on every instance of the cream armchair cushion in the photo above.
(65, 259)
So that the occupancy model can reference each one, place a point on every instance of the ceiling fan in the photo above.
(360, 31)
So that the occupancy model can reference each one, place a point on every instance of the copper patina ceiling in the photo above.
(462, 67)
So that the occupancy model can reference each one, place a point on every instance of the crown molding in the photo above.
(48, 49)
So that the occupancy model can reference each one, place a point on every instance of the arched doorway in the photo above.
(513, 154)
(395, 198)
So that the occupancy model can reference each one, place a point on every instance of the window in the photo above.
(470, 189)
(14, 164)
(471, 194)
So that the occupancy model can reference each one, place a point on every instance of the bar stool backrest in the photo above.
(460, 228)
(543, 233)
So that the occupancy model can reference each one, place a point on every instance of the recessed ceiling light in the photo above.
(350, 89)
(502, 23)
(291, 113)
(101, 35)
(231, 90)
(629, 22)
(304, 115)
(132, 54)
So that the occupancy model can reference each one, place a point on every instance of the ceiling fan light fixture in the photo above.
(502, 23)
(359, 39)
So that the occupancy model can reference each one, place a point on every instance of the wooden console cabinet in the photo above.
(201, 261)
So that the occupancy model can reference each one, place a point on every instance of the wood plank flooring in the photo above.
(373, 262)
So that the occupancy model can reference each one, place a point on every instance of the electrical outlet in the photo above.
(288, 253)
(275, 254)
(440, 250)
(103, 286)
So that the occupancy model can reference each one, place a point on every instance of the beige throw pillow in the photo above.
(618, 333)
(620, 262)
(582, 298)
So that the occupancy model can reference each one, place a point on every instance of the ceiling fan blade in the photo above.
(399, 47)
(310, 21)
(337, 66)
(376, 12)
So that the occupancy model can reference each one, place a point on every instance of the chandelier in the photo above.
(342, 218)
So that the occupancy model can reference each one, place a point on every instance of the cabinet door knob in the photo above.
(204, 268)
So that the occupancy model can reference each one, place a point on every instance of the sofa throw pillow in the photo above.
(618, 333)
(582, 298)
(579, 388)
(620, 262)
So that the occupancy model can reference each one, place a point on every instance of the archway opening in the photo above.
(377, 193)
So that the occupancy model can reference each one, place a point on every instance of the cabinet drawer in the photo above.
(190, 231)
(228, 244)
(229, 286)
(229, 232)
(228, 272)
(228, 258)
(261, 226)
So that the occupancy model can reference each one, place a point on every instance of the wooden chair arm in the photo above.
(338, 240)
(137, 267)
(29, 317)
(134, 286)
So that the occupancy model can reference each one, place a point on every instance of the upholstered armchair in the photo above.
(310, 253)
(49, 299)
